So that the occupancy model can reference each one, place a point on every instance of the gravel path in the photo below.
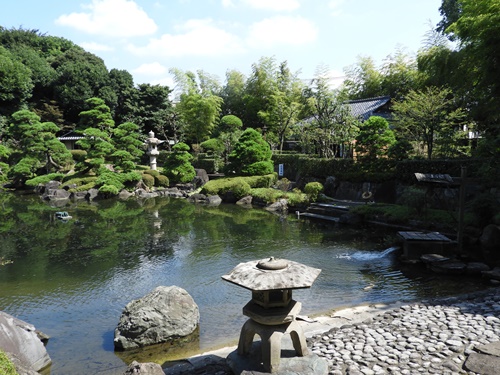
(432, 337)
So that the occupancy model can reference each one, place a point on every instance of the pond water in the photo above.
(72, 279)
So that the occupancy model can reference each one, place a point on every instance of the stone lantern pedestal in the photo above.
(152, 145)
(272, 313)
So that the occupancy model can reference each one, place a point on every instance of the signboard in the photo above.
(434, 177)
(281, 170)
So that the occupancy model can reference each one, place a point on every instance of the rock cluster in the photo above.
(418, 338)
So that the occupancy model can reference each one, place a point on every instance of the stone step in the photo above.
(317, 216)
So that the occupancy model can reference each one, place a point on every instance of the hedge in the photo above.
(380, 170)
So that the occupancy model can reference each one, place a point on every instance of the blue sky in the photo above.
(148, 37)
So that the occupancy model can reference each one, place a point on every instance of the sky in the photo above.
(149, 37)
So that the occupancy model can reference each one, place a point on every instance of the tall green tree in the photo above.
(363, 79)
(232, 94)
(98, 125)
(478, 32)
(400, 75)
(150, 107)
(258, 90)
(128, 145)
(37, 149)
(330, 125)
(426, 115)
(198, 106)
(15, 82)
(80, 76)
(284, 105)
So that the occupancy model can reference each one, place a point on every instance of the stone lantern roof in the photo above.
(272, 274)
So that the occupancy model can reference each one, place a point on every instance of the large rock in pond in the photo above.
(165, 314)
(22, 343)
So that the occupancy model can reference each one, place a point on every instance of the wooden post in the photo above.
(461, 208)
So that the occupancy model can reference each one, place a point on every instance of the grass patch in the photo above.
(6, 366)
(270, 195)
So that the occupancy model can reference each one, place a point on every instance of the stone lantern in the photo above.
(272, 311)
(152, 144)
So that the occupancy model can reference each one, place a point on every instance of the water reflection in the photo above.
(72, 280)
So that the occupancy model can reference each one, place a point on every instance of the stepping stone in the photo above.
(491, 349)
(483, 364)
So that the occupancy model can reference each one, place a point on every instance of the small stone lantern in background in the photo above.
(272, 311)
(152, 143)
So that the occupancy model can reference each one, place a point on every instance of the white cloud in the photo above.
(227, 3)
(335, 6)
(95, 47)
(276, 5)
(116, 18)
(195, 38)
(151, 69)
(282, 30)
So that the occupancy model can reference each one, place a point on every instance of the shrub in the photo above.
(4, 171)
(44, 179)
(251, 155)
(118, 180)
(414, 198)
(162, 181)
(110, 178)
(283, 184)
(82, 183)
(212, 145)
(148, 180)
(109, 189)
(238, 186)
(152, 172)
(178, 167)
(259, 168)
(312, 189)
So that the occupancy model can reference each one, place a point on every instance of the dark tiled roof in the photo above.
(70, 136)
(364, 108)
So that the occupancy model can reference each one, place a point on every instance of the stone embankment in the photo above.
(457, 335)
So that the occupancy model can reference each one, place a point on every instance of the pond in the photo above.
(72, 278)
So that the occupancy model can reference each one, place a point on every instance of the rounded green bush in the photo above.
(239, 188)
(152, 172)
(162, 181)
(148, 180)
(312, 189)
(259, 168)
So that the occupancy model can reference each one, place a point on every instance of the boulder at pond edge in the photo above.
(163, 315)
(21, 342)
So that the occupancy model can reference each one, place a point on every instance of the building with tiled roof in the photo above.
(365, 108)
(69, 139)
